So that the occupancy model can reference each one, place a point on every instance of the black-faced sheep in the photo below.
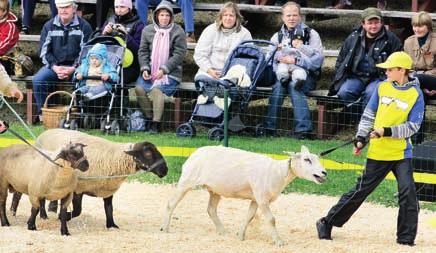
(235, 173)
(106, 158)
(24, 170)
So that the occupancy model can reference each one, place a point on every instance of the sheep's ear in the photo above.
(131, 152)
(61, 155)
(304, 149)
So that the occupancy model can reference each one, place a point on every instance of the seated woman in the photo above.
(218, 40)
(125, 16)
(422, 48)
(160, 55)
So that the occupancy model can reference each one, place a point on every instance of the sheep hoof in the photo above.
(31, 227)
(65, 233)
(43, 216)
(112, 226)
(6, 224)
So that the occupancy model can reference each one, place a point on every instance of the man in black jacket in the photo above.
(356, 74)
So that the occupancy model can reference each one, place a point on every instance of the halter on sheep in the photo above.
(235, 173)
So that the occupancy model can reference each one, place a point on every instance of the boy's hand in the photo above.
(79, 76)
(287, 59)
(377, 133)
(359, 143)
(105, 77)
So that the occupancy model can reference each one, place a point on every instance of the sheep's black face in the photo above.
(148, 158)
(74, 154)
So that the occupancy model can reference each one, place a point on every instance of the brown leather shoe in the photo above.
(190, 38)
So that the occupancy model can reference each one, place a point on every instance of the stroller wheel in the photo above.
(260, 130)
(185, 130)
(103, 124)
(88, 122)
(215, 134)
(73, 124)
(115, 128)
(63, 124)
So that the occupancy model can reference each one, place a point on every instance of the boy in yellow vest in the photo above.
(393, 114)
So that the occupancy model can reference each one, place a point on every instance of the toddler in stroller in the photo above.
(99, 87)
(100, 73)
(242, 73)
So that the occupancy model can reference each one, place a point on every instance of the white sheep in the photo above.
(106, 158)
(235, 173)
(24, 170)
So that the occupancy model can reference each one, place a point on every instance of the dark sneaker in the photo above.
(405, 242)
(324, 229)
(24, 30)
(155, 127)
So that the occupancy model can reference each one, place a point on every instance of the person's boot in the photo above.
(324, 229)
(155, 127)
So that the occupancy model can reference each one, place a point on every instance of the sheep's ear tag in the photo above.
(304, 149)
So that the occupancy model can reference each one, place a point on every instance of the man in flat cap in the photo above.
(62, 38)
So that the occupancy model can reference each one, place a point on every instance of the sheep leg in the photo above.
(53, 206)
(271, 222)
(3, 196)
(250, 215)
(172, 203)
(108, 209)
(31, 222)
(42, 212)
(63, 214)
(214, 199)
(77, 206)
(15, 201)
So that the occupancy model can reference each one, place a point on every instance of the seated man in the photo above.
(61, 40)
(356, 74)
(291, 17)
(187, 12)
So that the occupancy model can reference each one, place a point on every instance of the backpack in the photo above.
(137, 122)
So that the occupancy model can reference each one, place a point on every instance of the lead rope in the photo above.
(3, 100)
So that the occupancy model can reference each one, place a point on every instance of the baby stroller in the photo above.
(254, 58)
(96, 112)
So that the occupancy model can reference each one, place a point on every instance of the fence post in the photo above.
(226, 117)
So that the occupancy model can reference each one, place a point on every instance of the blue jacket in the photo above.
(99, 50)
(61, 45)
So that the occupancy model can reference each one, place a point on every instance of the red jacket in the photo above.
(8, 33)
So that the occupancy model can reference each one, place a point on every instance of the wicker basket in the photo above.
(53, 115)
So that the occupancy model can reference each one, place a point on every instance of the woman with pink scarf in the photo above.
(160, 55)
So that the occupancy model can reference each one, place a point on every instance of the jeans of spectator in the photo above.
(43, 82)
(168, 89)
(302, 119)
(185, 5)
(353, 88)
(28, 9)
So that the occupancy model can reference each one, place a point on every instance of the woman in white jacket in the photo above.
(218, 40)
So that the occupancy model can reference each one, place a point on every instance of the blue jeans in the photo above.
(167, 89)
(185, 6)
(28, 8)
(43, 81)
(353, 88)
(302, 119)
